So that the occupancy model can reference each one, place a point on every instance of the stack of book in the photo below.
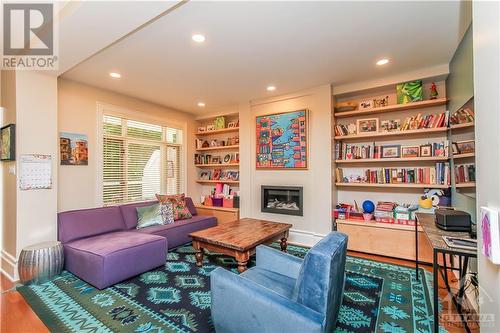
(465, 173)
(462, 116)
(429, 121)
(438, 175)
(341, 130)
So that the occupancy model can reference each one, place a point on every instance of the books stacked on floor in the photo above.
(462, 116)
(438, 175)
(465, 173)
(344, 151)
(429, 121)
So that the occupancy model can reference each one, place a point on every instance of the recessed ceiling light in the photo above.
(201, 104)
(271, 88)
(383, 61)
(115, 75)
(198, 38)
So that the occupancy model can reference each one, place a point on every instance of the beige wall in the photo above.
(486, 47)
(78, 114)
(316, 181)
(30, 101)
(8, 253)
(36, 134)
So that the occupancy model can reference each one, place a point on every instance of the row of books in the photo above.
(429, 121)
(438, 175)
(344, 151)
(343, 130)
(462, 116)
(465, 173)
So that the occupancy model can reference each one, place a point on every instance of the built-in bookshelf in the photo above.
(217, 161)
(412, 125)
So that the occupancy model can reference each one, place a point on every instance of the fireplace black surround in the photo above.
(287, 200)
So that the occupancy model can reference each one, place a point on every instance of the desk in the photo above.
(434, 235)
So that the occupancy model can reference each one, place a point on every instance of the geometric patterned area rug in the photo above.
(378, 297)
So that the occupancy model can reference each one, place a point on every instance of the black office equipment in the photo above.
(453, 220)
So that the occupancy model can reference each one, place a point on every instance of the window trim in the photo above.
(118, 111)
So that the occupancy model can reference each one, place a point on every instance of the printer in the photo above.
(453, 220)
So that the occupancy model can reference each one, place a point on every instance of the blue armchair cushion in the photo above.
(276, 282)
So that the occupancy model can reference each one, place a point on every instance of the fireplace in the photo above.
(286, 200)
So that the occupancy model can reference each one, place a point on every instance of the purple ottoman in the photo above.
(107, 259)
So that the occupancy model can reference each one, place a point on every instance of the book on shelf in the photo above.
(465, 173)
(462, 116)
(344, 151)
(424, 122)
(438, 175)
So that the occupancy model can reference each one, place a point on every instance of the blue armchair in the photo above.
(282, 293)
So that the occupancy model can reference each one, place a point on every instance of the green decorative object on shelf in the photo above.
(220, 123)
(409, 92)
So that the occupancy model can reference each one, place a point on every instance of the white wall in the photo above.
(486, 41)
(78, 185)
(316, 181)
(29, 216)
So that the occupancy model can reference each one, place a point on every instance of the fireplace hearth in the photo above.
(286, 200)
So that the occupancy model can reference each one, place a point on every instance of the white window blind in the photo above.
(139, 160)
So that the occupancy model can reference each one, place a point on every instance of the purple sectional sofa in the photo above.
(102, 245)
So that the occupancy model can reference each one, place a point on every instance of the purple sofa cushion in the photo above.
(129, 212)
(107, 259)
(78, 224)
(178, 232)
(191, 207)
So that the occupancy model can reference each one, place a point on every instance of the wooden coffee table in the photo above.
(238, 239)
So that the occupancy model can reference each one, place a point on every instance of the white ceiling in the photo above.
(293, 45)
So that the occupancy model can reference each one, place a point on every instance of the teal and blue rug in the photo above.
(378, 297)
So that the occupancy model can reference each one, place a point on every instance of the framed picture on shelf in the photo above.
(368, 104)
(466, 147)
(410, 151)
(454, 148)
(409, 92)
(215, 160)
(367, 126)
(426, 150)
(390, 125)
(220, 122)
(205, 175)
(392, 151)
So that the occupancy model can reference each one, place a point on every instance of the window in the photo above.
(139, 160)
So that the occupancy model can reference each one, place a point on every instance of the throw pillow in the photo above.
(167, 213)
(179, 206)
(148, 216)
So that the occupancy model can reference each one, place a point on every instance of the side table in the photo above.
(40, 262)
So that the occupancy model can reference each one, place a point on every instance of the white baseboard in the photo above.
(304, 238)
(8, 266)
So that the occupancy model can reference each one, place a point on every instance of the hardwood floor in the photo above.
(17, 316)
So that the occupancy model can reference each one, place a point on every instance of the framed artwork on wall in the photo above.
(8, 143)
(73, 149)
(282, 141)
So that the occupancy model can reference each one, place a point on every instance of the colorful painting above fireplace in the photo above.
(282, 140)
